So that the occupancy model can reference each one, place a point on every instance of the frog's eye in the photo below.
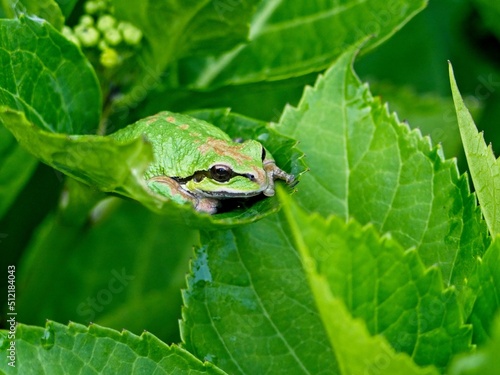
(221, 173)
(263, 153)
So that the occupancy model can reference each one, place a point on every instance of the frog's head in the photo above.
(237, 171)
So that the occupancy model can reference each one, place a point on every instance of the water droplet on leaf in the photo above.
(48, 338)
(211, 358)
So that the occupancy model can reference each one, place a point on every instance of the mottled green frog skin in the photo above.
(197, 162)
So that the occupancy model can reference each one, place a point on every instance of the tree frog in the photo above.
(196, 162)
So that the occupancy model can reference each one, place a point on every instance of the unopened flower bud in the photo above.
(91, 7)
(86, 20)
(106, 22)
(131, 34)
(109, 58)
(89, 36)
(113, 37)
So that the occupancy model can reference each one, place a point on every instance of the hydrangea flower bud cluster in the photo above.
(97, 28)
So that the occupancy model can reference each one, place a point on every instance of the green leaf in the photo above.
(47, 77)
(248, 308)
(73, 349)
(484, 169)
(367, 165)
(295, 37)
(488, 296)
(194, 27)
(15, 170)
(379, 282)
(46, 9)
(484, 361)
(249, 285)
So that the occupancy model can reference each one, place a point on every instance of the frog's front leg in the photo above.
(170, 188)
(273, 173)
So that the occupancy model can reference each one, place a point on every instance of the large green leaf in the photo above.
(75, 349)
(483, 167)
(249, 286)
(389, 288)
(47, 77)
(290, 38)
(248, 308)
(367, 165)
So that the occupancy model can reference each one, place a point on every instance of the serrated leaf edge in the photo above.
(476, 149)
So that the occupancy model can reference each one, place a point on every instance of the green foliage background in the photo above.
(381, 262)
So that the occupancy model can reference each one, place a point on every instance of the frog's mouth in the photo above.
(203, 184)
(232, 190)
(199, 176)
(228, 194)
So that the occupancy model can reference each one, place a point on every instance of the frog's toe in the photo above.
(269, 191)
(292, 181)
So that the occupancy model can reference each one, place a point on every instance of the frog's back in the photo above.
(166, 125)
(175, 138)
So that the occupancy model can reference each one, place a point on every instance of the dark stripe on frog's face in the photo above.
(231, 160)
(218, 172)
